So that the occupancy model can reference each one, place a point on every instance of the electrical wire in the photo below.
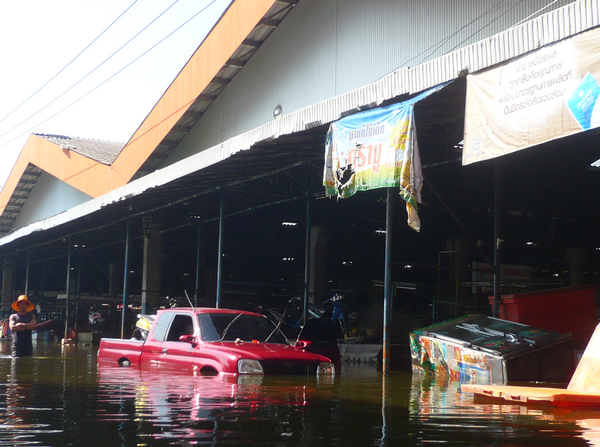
(432, 49)
(535, 13)
(481, 29)
(110, 77)
(89, 73)
(72, 60)
(487, 13)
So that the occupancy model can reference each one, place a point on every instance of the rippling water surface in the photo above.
(61, 398)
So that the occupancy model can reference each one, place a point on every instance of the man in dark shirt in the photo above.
(21, 325)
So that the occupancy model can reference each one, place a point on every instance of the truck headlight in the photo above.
(248, 366)
(326, 368)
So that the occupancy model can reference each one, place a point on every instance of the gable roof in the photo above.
(58, 155)
(104, 152)
(98, 168)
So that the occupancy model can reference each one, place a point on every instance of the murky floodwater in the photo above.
(61, 398)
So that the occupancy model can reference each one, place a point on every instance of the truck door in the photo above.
(152, 349)
(177, 355)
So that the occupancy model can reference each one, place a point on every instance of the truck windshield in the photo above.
(230, 327)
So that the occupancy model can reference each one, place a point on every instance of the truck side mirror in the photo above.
(191, 339)
(302, 344)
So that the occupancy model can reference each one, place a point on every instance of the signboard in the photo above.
(376, 149)
(544, 95)
(510, 275)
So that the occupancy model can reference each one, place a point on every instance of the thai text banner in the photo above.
(376, 149)
(547, 94)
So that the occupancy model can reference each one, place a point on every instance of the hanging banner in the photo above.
(547, 94)
(376, 149)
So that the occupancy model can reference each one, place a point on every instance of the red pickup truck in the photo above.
(215, 341)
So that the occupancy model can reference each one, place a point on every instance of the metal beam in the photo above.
(497, 240)
(307, 256)
(198, 263)
(67, 291)
(220, 250)
(125, 279)
(387, 302)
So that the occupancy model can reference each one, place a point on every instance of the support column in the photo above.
(497, 240)
(199, 265)
(152, 265)
(114, 276)
(220, 249)
(319, 237)
(577, 259)
(8, 269)
(26, 291)
(388, 285)
(125, 282)
(68, 291)
(307, 296)
(78, 293)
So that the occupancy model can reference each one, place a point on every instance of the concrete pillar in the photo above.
(115, 273)
(7, 288)
(577, 259)
(319, 237)
(152, 266)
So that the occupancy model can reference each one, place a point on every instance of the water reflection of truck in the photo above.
(208, 341)
(203, 410)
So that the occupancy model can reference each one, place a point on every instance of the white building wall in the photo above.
(325, 48)
(50, 196)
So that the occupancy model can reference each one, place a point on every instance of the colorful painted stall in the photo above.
(483, 350)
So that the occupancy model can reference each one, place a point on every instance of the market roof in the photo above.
(104, 152)
(209, 71)
(230, 44)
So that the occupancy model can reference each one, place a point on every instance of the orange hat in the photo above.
(30, 307)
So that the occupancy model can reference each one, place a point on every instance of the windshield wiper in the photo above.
(229, 325)
(277, 328)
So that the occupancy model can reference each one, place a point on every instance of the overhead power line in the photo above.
(484, 27)
(107, 79)
(72, 60)
(90, 72)
(432, 49)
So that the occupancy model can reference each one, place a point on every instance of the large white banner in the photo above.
(547, 94)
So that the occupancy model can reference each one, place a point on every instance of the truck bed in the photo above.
(120, 351)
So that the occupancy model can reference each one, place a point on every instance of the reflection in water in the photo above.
(60, 397)
(442, 408)
(207, 408)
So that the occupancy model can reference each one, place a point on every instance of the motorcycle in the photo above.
(342, 316)
(97, 321)
(335, 308)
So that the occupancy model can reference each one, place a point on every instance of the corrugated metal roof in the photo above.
(103, 152)
(548, 28)
(518, 40)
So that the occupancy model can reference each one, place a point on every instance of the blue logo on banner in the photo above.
(583, 100)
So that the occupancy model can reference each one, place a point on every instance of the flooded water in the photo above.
(61, 398)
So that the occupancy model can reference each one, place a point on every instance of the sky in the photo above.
(91, 69)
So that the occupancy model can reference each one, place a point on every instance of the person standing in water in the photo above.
(21, 325)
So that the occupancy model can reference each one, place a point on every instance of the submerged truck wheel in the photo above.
(124, 362)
